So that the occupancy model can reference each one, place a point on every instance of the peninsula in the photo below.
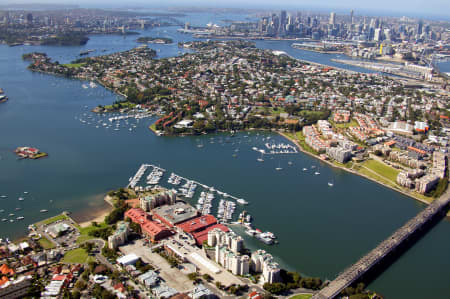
(369, 124)
(154, 40)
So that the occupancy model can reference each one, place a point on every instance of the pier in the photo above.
(143, 168)
(374, 257)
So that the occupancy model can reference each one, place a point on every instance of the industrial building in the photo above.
(175, 214)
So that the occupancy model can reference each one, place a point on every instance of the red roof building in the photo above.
(154, 230)
(3, 280)
(254, 295)
(197, 224)
(136, 215)
(5, 270)
(419, 151)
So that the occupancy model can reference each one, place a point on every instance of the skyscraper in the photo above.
(351, 16)
(29, 18)
(332, 18)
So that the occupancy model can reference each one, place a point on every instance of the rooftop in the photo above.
(198, 223)
(176, 213)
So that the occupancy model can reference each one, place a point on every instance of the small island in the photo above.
(25, 152)
(155, 40)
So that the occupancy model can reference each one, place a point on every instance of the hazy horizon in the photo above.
(411, 8)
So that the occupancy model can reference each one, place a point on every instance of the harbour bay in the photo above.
(315, 223)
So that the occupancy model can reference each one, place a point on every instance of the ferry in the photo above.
(265, 240)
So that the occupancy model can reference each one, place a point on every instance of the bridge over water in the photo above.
(374, 257)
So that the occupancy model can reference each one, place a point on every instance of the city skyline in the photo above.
(423, 9)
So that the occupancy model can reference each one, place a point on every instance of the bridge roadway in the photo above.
(354, 272)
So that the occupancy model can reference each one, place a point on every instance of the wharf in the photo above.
(137, 177)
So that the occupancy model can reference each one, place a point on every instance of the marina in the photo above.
(186, 188)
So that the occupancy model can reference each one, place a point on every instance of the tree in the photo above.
(275, 288)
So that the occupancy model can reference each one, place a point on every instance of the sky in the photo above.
(422, 8)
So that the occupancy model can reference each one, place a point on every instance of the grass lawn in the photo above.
(52, 219)
(76, 256)
(45, 243)
(84, 232)
(382, 169)
(74, 65)
(277, 111)
(301, 296)
(352, 123)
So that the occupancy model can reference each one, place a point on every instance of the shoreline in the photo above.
(353, 171)
(98, 216)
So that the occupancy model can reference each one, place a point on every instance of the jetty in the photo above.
(134, 180)
(393, 242)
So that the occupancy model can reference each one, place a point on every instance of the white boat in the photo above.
(4, 219)
(278, 168)
(3, 196)
(305, 169)
(25, 192)
(20, 218)
(316, 173)
(21, 198)
(1, 211)
(11, 214)
(43, 211)
(330, 184)
(242, 201)
(251, 232)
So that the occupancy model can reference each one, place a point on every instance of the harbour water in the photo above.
(321, 229)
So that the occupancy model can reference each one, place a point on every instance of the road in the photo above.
(99, 244)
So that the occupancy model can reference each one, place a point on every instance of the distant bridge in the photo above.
(374, 257)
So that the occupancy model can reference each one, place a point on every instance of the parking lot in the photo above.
(172, 276)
